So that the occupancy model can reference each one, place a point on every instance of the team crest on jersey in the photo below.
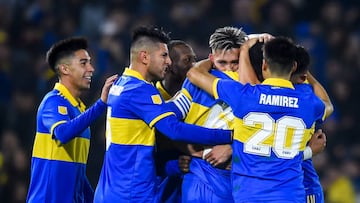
(62, 110)
(156, 99)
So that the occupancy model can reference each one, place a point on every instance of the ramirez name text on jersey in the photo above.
(279, 100)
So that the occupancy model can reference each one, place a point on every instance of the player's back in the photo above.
(272, 126)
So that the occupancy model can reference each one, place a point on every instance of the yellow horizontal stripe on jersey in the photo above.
(197, 114)
(130, 132)
(76, 150)
(243, 133)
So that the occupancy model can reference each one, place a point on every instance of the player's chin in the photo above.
(162, 75)
(86, 85)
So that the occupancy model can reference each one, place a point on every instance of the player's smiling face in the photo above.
(159, 63)
(81, 70)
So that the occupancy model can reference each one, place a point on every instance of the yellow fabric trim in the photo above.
(232, 75)
(186, 93)
(197, 114)
(76, 150)
(214, 87)
(162, 91)
(56, 124)
(278, 82)
(65, 92)
(130, 132)
(160, 117)
(134, 73)
(324, 114)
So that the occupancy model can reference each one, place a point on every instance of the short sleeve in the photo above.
(54, 112)
(319, 110)
(228, 91)
(147, 103)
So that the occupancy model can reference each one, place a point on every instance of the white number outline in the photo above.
(214, 119)
(254, 143)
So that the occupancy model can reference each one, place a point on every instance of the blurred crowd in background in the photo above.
(329, 29)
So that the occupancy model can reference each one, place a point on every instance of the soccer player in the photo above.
(206, 182)
(317, 143)
(209, 176)
(313, 189)
(272, 125)
(61, 146)
(135, 107)
(167, 152)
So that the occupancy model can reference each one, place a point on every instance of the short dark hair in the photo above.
(64, 48)
(173, 53)
(154, 34)
(256, 58)
(280, 54)
(226, 38)
(302, 59)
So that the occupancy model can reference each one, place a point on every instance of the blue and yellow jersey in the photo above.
(273, 122)
(58, 171)
(313, 188)
(202, 109)
(128, 173)
(165, 95)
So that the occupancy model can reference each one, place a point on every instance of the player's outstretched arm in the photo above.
(199, 75)
(176, 130)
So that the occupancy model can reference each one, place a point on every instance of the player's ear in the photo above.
(144, 57)
(293, 69)
(264, 65)
(211, 57)
(264, 69)
(63, 69)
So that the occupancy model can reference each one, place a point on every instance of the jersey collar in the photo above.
(65, 92)
(233, 75)
(133, 73)
(162, 90)
(278, 82)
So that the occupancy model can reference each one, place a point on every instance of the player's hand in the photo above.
(184, 163)
(265, 37)
(219, 155)
(105, 90)
(249, 43)
(317, 142)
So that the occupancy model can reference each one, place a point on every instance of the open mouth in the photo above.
(88, 78)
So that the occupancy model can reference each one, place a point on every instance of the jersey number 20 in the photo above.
(279, 129)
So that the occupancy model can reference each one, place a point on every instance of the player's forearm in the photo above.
(320, 91)
(199, 76)
(246, 71)
(68, 130)
(183, 132)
